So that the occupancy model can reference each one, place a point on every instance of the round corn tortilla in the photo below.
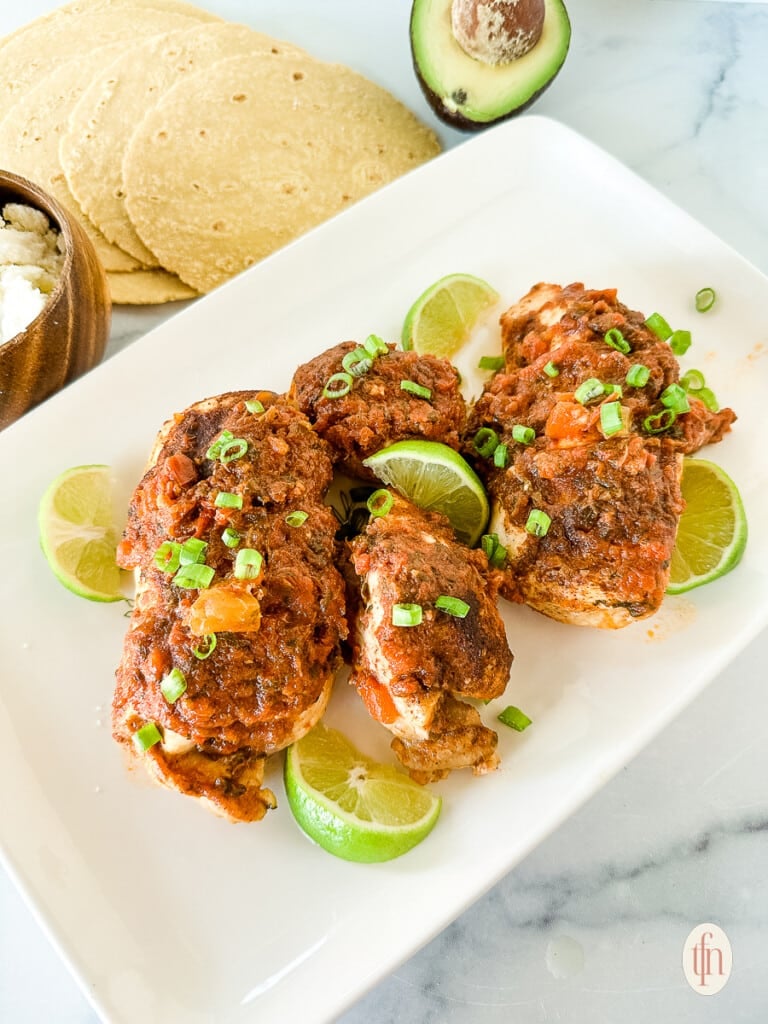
(102, 121)
(30, 133)
(34, 50)
(236, 161)
(147, 287)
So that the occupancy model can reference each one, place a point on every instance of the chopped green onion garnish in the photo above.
(589, 390)
(659, 326)
(680, 342)
(614, 389)
(254, 405)
(638, 376)
(338, 385)
(375, 346)
(226, 499)
(215, 450)
(357, 362)
(230, 537)
(489, 542)
(194, 576)
(660, 422)
(201, 653)
(147, 736)
(453, 605)
(551, 370)
(173, 685)
(538, 522)
(693, 380)
(491, 362)
(168, 556)
(406, 614)
(514, 718)
(500, 456)
(297, 518)
(522, 434)
(616, 340)
(415, 389)
(192, 550)
(611, 421)
(707, 396)
(234, 449)
(380, 502)
(485, 442)
(674, 397)
(705, 299)
(248, 564)
(499, 557)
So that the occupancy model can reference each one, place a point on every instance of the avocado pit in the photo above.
(497, 31)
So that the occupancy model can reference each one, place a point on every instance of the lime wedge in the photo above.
(435, 477)
(441, 319)
(78, 535)
(712, 533)
(350, 805)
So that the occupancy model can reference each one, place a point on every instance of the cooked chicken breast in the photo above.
(610, 494)
(412, 678)
(255, 641)
(377, 411)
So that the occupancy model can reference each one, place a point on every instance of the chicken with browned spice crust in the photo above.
(588, 501)
(412, 678)
(236, 632)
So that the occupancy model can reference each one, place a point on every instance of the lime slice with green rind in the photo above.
(78, 534)
(352, 806)
(442, 318)
(712, 533)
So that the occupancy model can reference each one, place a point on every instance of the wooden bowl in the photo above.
(70, 333)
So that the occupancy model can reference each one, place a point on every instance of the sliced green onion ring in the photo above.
(499, 557)
(538, 522)
(551, 370)
(491, 363)
(514, 718)
(201, 653)
(192, 550)
(297, 518)
(705, 299)
(616, 340)
(523, 434)
(234, 449)
(415, 389)
(611, 421)
(614, 389)
(215, 449)
(338, 385)
(638, 376)
(453, 606)
(680, 342)
(707, 396)
(675, 397)
(693, 380)
(147, 736)
(375, 346)
(500, 456)
(168, 556)
(248, 564)
(489, 542)
(173, 685)
(230, 537)
(194, 576)
(661, 421)
(485, 442)
(226, 499)
(659, 326)
(380, 502)
(406, 614)
(357, 362)
(589, 390)
(253, 405)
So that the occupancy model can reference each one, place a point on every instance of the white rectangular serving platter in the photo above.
(166, 913)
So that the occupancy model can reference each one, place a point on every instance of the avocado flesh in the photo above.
(469, 94)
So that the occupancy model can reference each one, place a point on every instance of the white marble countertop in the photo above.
(591, 926)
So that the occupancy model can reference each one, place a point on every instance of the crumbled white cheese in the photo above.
(31, 260)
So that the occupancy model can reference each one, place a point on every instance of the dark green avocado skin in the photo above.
(455, 118)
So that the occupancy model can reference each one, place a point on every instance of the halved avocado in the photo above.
(471, 95)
